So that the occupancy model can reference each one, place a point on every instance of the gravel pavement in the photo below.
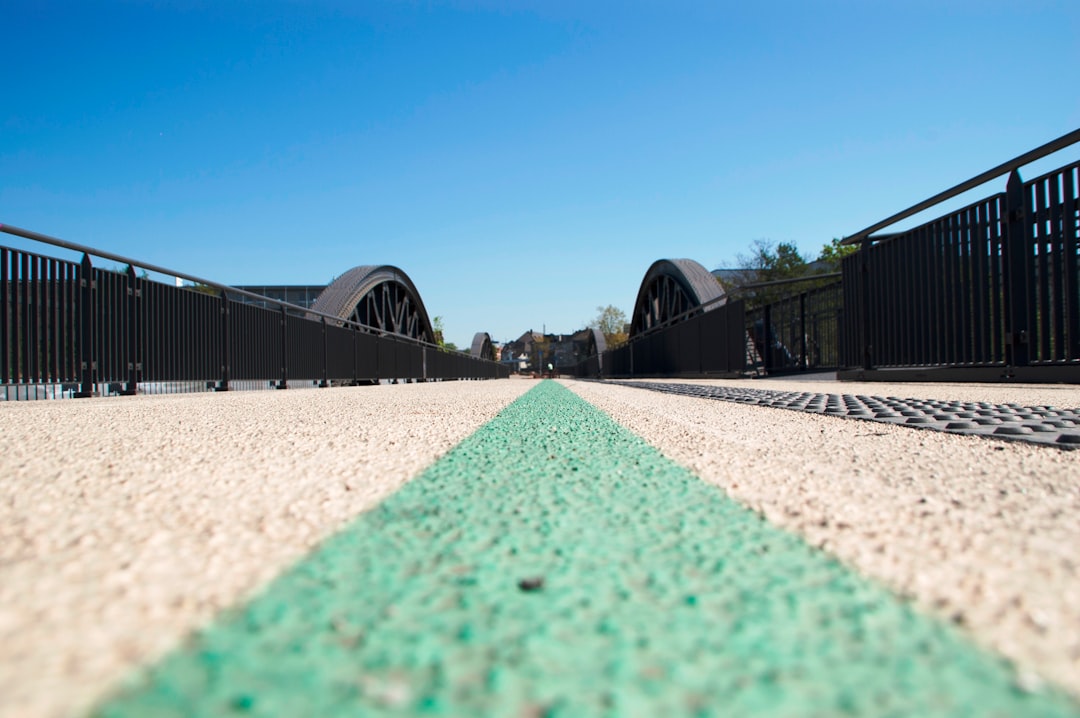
(982, 532)
(126, 522)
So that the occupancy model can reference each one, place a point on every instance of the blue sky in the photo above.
(523, 162)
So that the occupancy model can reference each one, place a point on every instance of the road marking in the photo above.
(555, 564)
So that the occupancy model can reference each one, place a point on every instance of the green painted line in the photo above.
(659, 596)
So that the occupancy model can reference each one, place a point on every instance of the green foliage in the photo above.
(611, 321)
(437, 328)
(774, 262)
(203, 289)
(834, 252)
(770, 262)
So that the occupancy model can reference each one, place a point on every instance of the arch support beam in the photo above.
(673, 287)
(379, 296)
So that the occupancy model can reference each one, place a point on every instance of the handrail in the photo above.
(796, 280)
(63, 243)
(1015, 163)
(721, 300)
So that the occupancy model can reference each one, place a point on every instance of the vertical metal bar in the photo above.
(1031, 274)
(901, 300)
(998, 259)
(354, 335)
(802, 331)
(895, 255)
(7, 340)
(134, 359)
(865, 310)
(966, 319)
(941, 295)
(767, 336)
(223, 320)
(879, 302)
(325, 355)
(1057, 258)
(952, 285)
(64, 340)
(1071, 236)
(926, 304)
(35, 314)
(1015, 279)
(87, 357)
(25, 333)
(1038, 222)
(51, 346)
(981, 317)
(928, 290)
(284, 350)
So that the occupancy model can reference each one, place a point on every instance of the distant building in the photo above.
(533, 351)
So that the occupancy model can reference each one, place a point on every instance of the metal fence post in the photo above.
(864, 296)
(134, 319)
(284, 350)
(1016, 276)
(802, 331)
(767, 339)
(223, 383)
(87, 360)
(325, 357)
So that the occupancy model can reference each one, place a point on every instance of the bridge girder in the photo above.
(672, 287)
(482, 347)
(378, 296)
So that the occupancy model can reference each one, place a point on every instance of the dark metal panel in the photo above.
(964, 309)
(25, 322)
(8, 335)
(305, 346)
(340, 354)
(387, 353)
(1057, 268)
(367, 356)
(1041, 240)
(981, 317)
(1071, 249)
(999, 259)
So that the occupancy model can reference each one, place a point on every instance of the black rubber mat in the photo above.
(1043, 425)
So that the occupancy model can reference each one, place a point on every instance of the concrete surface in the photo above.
(126, 522)
(553, 564)
(979, 531)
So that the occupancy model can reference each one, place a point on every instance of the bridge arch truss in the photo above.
(379, 296)
(673, 287)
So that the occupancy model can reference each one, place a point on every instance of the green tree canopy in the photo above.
(833, 253)
(611, 321)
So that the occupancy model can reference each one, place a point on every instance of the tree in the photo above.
(611, 321)
(768, 262)
(437, 330)
(833, 253)
(771, 263)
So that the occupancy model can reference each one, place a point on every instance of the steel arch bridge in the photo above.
(378, 296)
(673, 287)
(482, 347)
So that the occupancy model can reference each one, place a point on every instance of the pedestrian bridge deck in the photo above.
(602, 549)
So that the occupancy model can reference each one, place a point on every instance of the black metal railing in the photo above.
(991, 291)
(697, 343)
(799, 332)
(73, 329)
